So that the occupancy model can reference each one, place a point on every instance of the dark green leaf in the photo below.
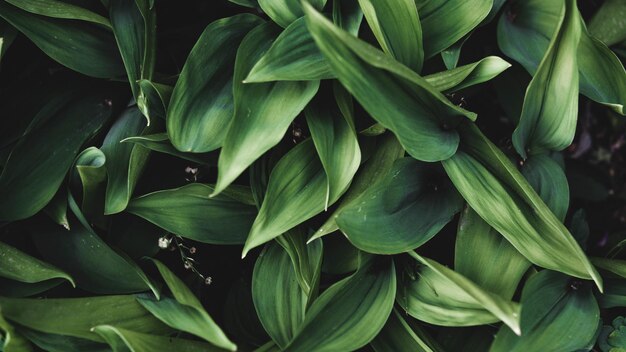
(122, 340)
(159, 142)
(548, 179)
(19, 266)
(400, 335)
(153, 99)
(60, 9)
(284, 12)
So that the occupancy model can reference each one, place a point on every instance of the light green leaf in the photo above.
(500, 194)
(263, 111)
(60, 9)
(274, 280)
(76, 316)
(306, 259)
(444, 22)
(284, 12)
(486, 257)
(558, 314)
(92, 263)
(399, 335)
(159, 142)
(296, 192)
(441, 296)
(125, 161)
(134, 26)
(409, 206)
(332, 130)
(391, 93)
(550, 110)
(607, 24)
(524, 33)
(201, 106)
(247, 3)
(548, 179)
(615, 266)
(21, 190)
(350, 313)
(153, 98)
(467, 75)
(12, 341)
(189, 212)
(122, 340)
(375, 169)
(292, 57)
(397, 28)
(82, 46)
(19, 266)
(184, 312)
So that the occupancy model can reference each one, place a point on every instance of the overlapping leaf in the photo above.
(284, 12)
(19, 266)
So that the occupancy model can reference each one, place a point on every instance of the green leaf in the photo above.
(296, 192)
(134, 26)
(21, 190)
(76, 316)
(441, 296)
(467, 75)
(263, 111)
(201, 106)
(62, 343)
(12, 341)
(90, 261)
(550, 110)
(56, 209)
(89, 174)
(189, 212)
(19, 266)
(292, 57)
(184, 312)
(122, 340)
(409, 206)
(397, 28)
(332, 131)
(350, 313)
(524, 33)
(274, 280)
(82, 46)
(153, 98)
(159, 142)
(555, 316)
(391, 93)
(347, 14)
(60, 9)
(373, 171)
(284, 12)
(125, 161)
(399, 335)
(484, 256)
(607, 24)
(306, 259)
(615, 266)
(444, 22)
(500, 194)
(548, 179)
(613, 337)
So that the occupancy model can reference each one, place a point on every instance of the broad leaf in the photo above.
(263, 111)
(76, 316)
(284, 12)
(332, 131)
(306, 259)
(350, 313)
(397, 28)
(607, 24)
(444, 22)
(391, 93)
(60, 9)
(347, 14)
(125, 161)
(292, 57)
(484, 256)
(441, 296)
(122, 340)
(558, 314)
(82, 46)
(550, 111)
(189, 212)
(373, 171)
(19, 266)
(21, 191)
(500, 194)
(184, 312)
(404, 210)
(201, 106)
(399, 335)
(548, 179)
(467, 75)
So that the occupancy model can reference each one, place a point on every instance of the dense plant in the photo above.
(327, 175)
